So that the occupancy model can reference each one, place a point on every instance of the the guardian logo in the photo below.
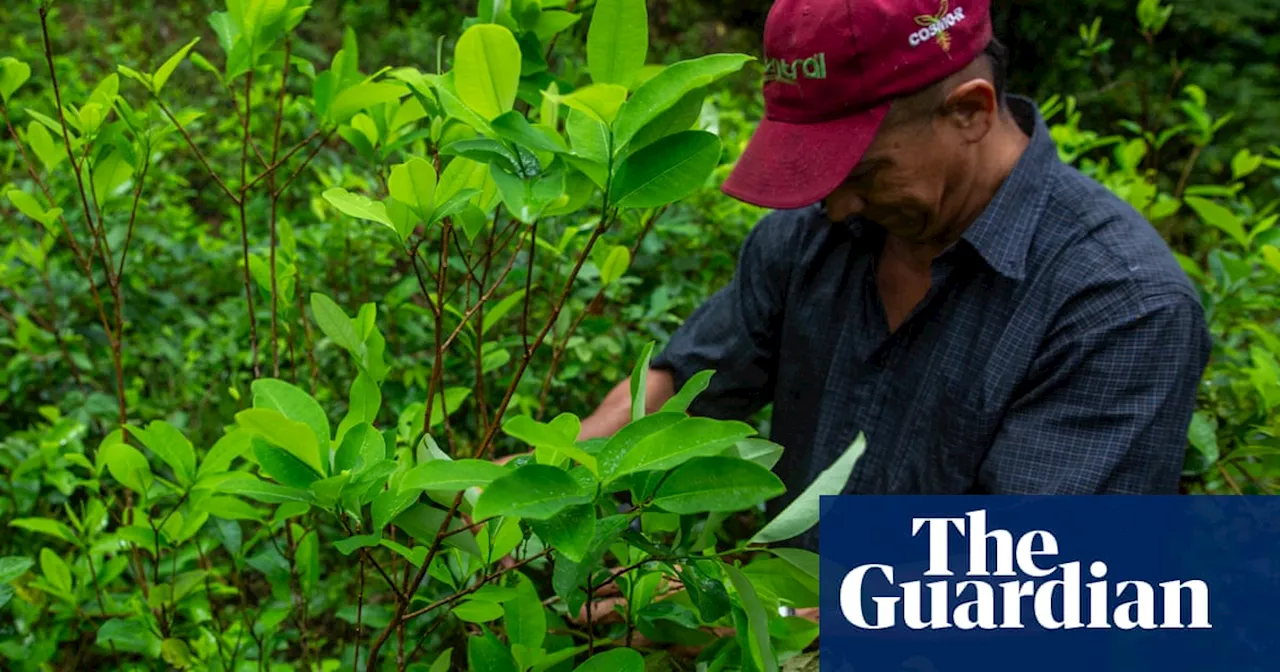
(1038, 583)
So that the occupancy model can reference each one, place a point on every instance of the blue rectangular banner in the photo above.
(1049, 584)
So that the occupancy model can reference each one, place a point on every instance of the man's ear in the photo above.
(971, 108)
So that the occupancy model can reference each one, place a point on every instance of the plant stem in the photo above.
(306, 161)
(487, 442)
(244, 224)
(275, 199)
(355, 659)
(558, 350)
(133, 213)
(199, 155)
(482, 583)
(528, 289)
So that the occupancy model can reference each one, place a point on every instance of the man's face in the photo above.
(901, 181)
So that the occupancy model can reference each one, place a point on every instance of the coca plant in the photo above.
(389, 540)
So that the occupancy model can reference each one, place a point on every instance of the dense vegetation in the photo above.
(277, 281)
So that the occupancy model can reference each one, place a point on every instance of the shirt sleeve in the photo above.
(735, 332)
(1109, 411)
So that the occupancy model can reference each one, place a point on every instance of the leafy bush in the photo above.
(488, 208)
(265, 327)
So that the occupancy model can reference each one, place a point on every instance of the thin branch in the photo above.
(487, 442)
(199, 155)
(305, 161)
(275, 200)
(244, 227)
(482, 583)
(528, 290)
(133, 214)
(241, 118)
(275, 164)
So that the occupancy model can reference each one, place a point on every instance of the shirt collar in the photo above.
(1002, 234)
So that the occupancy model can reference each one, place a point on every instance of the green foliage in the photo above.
(289, 275)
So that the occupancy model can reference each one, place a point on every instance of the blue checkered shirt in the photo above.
(1058, 351)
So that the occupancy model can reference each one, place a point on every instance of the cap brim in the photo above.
(788, 165)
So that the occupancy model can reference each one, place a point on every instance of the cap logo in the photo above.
(936, 26)
(790, 72)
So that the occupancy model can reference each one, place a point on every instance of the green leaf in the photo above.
(248, 485)
(760, 451)
(613, 660)
(42, 144)
(534, 491)
(283, 466)
(422, 522)
(1272, 256)
(670, 87)
(615, 265)
(13, 73)
(478, 611)
(390, 504)
(1203, 434)
(560, 435)
(443, 662)
(176, 653)
(47, 526)
(690, 391)
(680, 117)
(622, 442)
(364, 402)
(569, 532)
(352, 544)
(414, 184)
(6, 594)
(600, 102)
(666, 171)
(296, 405)
(363, 96)
(13, 566)
(450, 400)
(334, 323)
(484, 151)
(640, 383)
(487, 64)
(553, 21)
(724, 484)
(802, 513)
(230, 508)
(452, 475)
(295, 437)
(617, 41)
(55, 570)
(131, 636)
(170, 446)
(689, 438)
(526, 619)
(757, 619)
(362, 447)
(108, 174)
(30, 207)
(1221, 218)
(355, 205)
(127, 466)
(515, 127)
(233, 444)
(162, 75)
(489, 654)
(705, 591)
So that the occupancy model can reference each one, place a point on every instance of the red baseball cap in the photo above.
(832, 70)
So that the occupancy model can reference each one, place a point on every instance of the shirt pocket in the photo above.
(963, 431)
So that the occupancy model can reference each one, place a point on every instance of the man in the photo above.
(935, 278)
